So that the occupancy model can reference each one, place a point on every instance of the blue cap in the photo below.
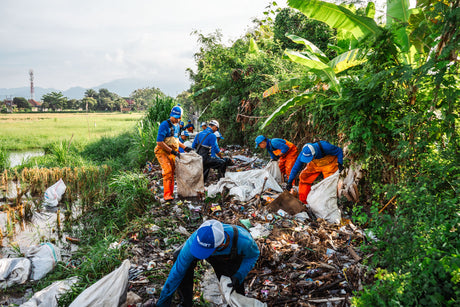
(259, 140)
(176, 112)
(307, 154)
(181, 123)
(189, 120)
(208, 237)
(184, 133)
(218, 135)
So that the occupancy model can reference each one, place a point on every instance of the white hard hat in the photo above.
(214, 123)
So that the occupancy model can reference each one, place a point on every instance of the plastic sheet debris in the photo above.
(274, 169)
(323, 199)
(244, 185)
(49, 296)
(189, 175)
(111, 290)
(235, 299)
(302, 216)
(43, 258)
(14, 271)
(259, 231)
(54, 193)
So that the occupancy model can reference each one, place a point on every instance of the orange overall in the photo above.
(287, 160)
(327, 165)
(168, 165)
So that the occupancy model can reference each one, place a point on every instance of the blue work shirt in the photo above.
(213, 151)
(167, 129)
(181, 150)
(329, 150)
(277, 145)
(210, 141)
(247, 247)
(188, 126)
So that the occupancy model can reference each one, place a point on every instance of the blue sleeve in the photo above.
(281, 145)
(214, 146)
(163, 131)
(213, 150)
(333, 151)
(272, 155)
(181, 150)
(195, 141)
(177, 273)
(247, 247)
(176, 131)
(295, 169)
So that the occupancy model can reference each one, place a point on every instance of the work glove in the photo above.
(289, 187)
(177, 154)
(340, 167)
(235, 282)
(188, 149)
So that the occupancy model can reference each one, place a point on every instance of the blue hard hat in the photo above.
(176, 112)
(259, 140)
(307, 154)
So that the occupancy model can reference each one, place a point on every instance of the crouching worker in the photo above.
(167, 150)
(229, 249)
(321, 157)
(279, 149)
(205, 143)
(183, 137)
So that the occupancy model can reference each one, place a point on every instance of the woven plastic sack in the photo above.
(110, 290)
(44, 258)
(14, 271)
(49, 296)
(322, 199)
(189, 174)
(54, 193)
(235, 299)
(274, 169)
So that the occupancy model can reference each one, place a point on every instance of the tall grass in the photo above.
(4, 159)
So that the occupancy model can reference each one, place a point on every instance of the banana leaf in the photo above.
(370, 10)
(337, 17)
(347, 59)
(298, 100)
(282, 86)
(253, 48)
(310, 46)
(204, 90)
(397, 10)
(324, 71)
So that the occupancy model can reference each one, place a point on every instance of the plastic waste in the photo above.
(274, 169)
(323, 199)
(189, 175)
(54, 193)
(14, 271)
(235, 299)
(259, 231)
(43, 258)
(244, 185)
(49, 296)
(111, 290)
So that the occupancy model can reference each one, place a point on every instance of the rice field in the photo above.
(21, 131)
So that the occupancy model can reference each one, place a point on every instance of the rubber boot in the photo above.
(304, 189)
(167, 192)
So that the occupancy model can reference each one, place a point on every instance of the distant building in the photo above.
(130, 104)
(8, 103)
(35, 105)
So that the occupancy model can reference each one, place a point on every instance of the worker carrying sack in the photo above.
(189, 175)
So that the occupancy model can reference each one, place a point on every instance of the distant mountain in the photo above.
(122, 87)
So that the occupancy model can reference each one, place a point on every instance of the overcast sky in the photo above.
(86, 43)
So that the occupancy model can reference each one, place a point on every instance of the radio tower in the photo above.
(31, 74)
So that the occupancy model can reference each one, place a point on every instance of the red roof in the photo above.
(35, 103)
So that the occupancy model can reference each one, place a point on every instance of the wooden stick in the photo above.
(391, 200)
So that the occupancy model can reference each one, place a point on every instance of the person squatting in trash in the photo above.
(190, 127)
(230, 249)
(167, 148)
(321, 157)
(279, 149)
(183, 137)
(204, 143)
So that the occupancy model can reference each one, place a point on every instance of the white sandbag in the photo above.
(44, 258)
(13, 271)
(322, 199)
(49, 296)
(189, 174)
(235, 299)
(109, 291)
(274, 169)
(54, 193)
(244, 185)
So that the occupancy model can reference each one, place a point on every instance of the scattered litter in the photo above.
(54, 193)
(274, 170)
(259, 231)
(49, 296)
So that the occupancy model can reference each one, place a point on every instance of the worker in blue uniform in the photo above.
(182, 138)
(229, 249)
(204, 143)
(190, 127)
(321, 157)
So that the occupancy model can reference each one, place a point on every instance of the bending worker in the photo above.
(229, 249)
(279, 149)
(190, 127)
(204, 143)
(167, 150)
(322, 157)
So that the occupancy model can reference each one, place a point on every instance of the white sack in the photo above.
(322, 199)
(13, 271)
(49, 296)
(109, 291)
(189, 174)
(44, 258)
(235, 299)
(274, 169)
(54, 193)
(244, 185)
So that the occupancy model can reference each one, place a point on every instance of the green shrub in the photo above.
(4, 159)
